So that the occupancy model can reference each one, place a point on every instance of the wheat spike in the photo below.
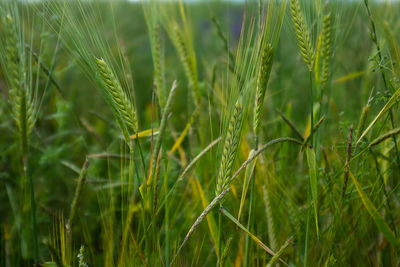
(123, 103)
(326, 49)
(262, 82)
(157, 66)
(229, 151)
(188, 64)
(302, 34)
(22, 101)
(11, 53)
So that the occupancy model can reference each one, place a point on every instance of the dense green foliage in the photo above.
(202, 134)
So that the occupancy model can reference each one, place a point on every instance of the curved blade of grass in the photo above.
(189, 167)
(210, 219)
(160, 137)
(291, 125)
(180, 139)
(385, 136)
(387, 106)
(255, 238)
(312, 168)
(279, 253)
(145, 133)
(349, 77)
(316, 126)
(379, 221)
(78, 193)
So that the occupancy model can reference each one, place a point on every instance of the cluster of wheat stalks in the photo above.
(137, 216)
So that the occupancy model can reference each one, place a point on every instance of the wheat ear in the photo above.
(229, 151)
(21, 98)
(262, 82)
(23, 104)
(123, 103)
(24, 107)
(302, 34)
(157, 65)
(188, 64)
(326, 49)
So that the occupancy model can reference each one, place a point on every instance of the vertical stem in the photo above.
(33, 209)
(140, 153)
(166, 218)
(312, 110)
(3, 247)
(347, 169)
(219, 236)
(396, 150)
(307, 228)
(247, 254)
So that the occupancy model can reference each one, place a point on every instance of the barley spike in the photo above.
(302, 34)
(230, 146)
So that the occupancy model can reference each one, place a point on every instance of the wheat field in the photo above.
(199, 133)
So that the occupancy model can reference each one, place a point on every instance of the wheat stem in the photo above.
(78, 194)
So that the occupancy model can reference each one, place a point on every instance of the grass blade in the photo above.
(387, 106)
(255, 238)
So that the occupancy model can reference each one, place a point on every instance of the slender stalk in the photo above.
(219, 236)
(307, 239)
(347, 170)
(247, 241)
(312, 110)
(33, 210)
(78, 194)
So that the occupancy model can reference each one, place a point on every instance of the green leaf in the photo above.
(258, 241)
